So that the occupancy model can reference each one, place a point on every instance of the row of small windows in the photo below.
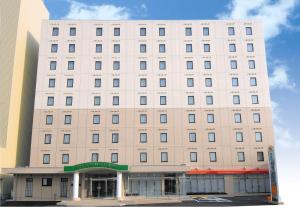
(163, 118)
(211, 136)
(163, 157)
(207, 64)
(143, 48)
(188, 31)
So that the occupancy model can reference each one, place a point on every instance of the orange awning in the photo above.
(227, 171)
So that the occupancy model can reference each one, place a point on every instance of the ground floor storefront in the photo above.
(117, 182)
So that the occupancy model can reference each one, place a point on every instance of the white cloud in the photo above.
(279, 79)
(80, 10)
(284, 138)
(274, 13)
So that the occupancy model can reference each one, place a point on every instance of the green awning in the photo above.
(86, 165)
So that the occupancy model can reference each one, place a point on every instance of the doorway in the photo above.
(102, 188)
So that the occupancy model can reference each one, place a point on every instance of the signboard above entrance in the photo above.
(86, 165)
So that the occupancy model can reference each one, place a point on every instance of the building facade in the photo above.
(19, 42)
(149, 108)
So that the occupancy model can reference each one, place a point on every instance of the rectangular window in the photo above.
(190, 82)
(53, 65)
(232, 48)
(251, 64)
(236, 99)
(205, 31)
(248, 30)
(46, 181)
(115, 137)
(254, 99)
(233, 64)
(97, 100)
(96, 119)
(143, 137)
(46, 158)
(143, 157)
(50, 101)
(143, 82)
(98, 48)
(162, 31)
(163, 137)
(114, 157)
(188, 31)
(191, 100)
(258, 136)
(143, 100)
(162, 65)
(231, 31)
(207, 64)
(47, 139)
(99, 31)
(162, 82)
(189, 48)
(69, 101)
(163, 100)
(71, 48)
(234, 82)
(206, 47)
(116, 65)
(250, 47)
(67, 138)
(95, 138)
(163, 118)
(210, 118)
(65, 159)
(241, 156)
(55, 31)
(71, 65)
(162, 48)
(192, 118)
(192, 137)
(213, 157)
(143, 48)
(29, 187)
(95, 157)
(68, 119)
(237, 118)
(117, 31)
(51, 83)
(143, 118)
(116, 100)
(189, 65)
(49, 119)
(72, 31)
(117, 48)
(115, 119)
(98, 65)
(211, 137)
(253, 81)
(143, 65)
(116, 82)
(97, 83)
(256, 117)
(193, 156)
(54, 48)
(164, 157)
(208, 82)
(143, 31)
(70, 82)
(239, 136)
(260, 156)
(209, 100)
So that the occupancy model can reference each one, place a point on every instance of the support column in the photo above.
(119, 185)
(76, 186)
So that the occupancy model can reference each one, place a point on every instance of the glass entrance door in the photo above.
(103, 188)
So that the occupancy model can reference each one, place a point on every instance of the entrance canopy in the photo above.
(87, 165)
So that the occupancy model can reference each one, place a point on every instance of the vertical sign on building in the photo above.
(273, 176)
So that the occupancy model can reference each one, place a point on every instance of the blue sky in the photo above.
(282, 34)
